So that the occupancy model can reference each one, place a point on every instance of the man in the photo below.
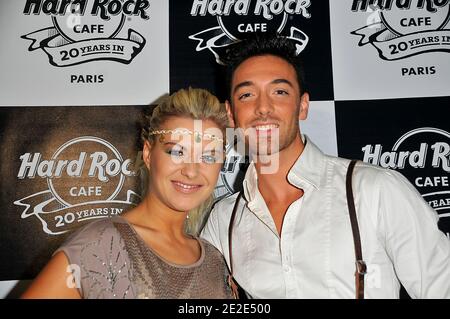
(292, 236)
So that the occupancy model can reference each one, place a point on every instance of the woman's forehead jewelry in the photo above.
(198, 136)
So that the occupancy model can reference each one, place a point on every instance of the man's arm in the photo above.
(419, 250)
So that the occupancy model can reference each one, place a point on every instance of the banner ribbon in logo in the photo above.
(215, 38)
(58, 219)
(391, 46)
(62, 52)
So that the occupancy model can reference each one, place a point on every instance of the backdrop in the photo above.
(76, 75)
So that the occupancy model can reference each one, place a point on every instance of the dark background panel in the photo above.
(25, 246)
(384, 123)
(199, 69)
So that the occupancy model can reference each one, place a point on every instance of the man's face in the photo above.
(266, 100)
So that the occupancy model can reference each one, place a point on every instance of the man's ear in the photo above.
(304, 105)
(146, 153)
(230, 113)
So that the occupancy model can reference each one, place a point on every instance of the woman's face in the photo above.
(184, 164)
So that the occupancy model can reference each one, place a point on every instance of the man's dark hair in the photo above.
(258, 44)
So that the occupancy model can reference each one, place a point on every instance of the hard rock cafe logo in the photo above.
(232, 173)
(82, 185)
(403, 28)
(235, 18)
(423, 156)
(85, 30)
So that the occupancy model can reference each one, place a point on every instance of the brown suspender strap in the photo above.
(231, 282)
(361, 268)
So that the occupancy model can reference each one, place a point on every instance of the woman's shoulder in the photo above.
(97, 236)
(97, 252)
(94, 230)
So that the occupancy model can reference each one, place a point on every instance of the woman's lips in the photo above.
(186, 188)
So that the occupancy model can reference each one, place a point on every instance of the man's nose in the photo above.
(264, 105)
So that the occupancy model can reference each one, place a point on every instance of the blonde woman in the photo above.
(153, 251)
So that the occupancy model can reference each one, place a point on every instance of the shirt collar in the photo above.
(250, 184)
(307, 171)
(309, 168)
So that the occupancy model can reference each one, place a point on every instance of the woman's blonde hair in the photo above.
(198, 104)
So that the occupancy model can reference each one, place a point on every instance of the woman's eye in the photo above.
(209, 159)
(175, 152)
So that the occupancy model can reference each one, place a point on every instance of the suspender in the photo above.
(361, 268)
(231, 282)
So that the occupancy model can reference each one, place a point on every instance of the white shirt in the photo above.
(314, 257)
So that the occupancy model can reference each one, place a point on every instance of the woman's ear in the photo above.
(230, 113)
(146, 153)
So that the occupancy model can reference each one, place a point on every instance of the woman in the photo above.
(147, 252)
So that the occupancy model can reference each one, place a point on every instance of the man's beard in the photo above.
(271, 144)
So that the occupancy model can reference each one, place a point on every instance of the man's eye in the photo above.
(281, 92)
(245, 95)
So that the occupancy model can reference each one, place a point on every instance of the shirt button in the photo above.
(287, 269)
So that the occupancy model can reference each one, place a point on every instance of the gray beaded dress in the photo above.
(115, 262)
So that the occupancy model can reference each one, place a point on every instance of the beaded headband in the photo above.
(198, 136)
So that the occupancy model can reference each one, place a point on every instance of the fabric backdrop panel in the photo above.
(390, 52)
(200, 32)
(411, 136)
(62, 167)
(78, 57)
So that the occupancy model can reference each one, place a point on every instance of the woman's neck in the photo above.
(153, 214)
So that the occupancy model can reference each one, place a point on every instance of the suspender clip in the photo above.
(361, 267)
